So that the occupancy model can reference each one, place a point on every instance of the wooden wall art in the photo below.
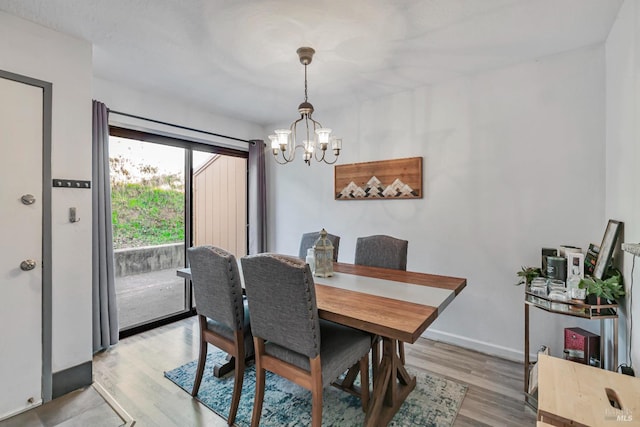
(386, 179)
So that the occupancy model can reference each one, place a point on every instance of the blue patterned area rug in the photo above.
(434, 402)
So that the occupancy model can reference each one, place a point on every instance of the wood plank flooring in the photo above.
(494, 396)
(84, 407)
(132, 372)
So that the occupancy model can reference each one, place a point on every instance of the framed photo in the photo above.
(606, 248)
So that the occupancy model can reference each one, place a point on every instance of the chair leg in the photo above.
(202, 358)
(401, 351)
(237, 391)
(260, 376)
(364, 382)
(316, 392)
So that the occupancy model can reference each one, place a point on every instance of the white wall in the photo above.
(623, 154)
(153, 106)
(513, 162)
(40, 53)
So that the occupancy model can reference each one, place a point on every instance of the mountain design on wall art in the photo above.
(394, 179)
(375, 189)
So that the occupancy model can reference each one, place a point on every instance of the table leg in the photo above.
(375, 356)
(526, 350)
(615, 345)
(377, 398)
(347, 383)
(390, 388)
(220, 371)
(606, 356)
(391, 393)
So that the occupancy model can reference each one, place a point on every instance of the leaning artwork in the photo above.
(385, 179)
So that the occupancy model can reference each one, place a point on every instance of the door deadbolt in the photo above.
(27, 264)
(28, 199)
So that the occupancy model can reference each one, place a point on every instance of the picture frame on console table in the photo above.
(607, 248)
(590, 259)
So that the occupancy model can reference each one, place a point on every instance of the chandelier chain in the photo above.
(305, 83)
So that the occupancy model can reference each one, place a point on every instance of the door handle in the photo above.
(28, 199)
(27, 264)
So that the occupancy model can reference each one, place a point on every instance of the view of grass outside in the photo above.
(147, 205)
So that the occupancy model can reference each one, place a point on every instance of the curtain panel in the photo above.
(257, 198)
(105, 310)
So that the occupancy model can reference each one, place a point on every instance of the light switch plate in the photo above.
(72, 215)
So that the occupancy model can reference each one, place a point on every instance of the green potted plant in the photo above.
(527, 274)
(609, 289)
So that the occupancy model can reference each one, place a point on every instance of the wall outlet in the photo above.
(632, 248)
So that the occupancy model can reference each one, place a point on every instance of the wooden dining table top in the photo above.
(391, 303)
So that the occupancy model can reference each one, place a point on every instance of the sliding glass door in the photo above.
(167, 195)
(148, 212)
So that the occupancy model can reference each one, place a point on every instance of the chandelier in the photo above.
(315, 138)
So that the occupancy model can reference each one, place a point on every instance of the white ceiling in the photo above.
(238, 57)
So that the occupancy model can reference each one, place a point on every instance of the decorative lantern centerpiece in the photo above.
(323, 249)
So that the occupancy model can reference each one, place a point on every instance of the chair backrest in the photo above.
(217, 288)
(382, 251)
(282, 302)
(308, 240)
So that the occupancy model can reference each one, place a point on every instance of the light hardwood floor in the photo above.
(132, 372)
(80, 408)
(494, 396)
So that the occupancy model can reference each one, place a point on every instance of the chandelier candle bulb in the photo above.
(308, 150)
(283, 138)
(308, 146)
(323, 137)
(275, 147)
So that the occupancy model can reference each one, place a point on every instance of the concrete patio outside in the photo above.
(147, 296)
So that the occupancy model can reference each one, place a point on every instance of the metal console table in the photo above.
(568, 308)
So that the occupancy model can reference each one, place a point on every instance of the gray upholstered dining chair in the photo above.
(386, 252)
(382, 251)
(289, 338)
(308, 239)
(222, 313)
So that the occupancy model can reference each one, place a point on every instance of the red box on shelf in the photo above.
(582, 346)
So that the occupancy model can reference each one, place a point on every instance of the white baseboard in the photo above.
(479, 346)
(21, 410)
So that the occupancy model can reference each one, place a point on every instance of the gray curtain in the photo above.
(105, 311)
(257, 198)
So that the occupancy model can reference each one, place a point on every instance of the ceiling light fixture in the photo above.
(315, 137)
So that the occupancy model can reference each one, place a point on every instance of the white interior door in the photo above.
(21, 107)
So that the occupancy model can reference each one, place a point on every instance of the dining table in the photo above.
(394, 305)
